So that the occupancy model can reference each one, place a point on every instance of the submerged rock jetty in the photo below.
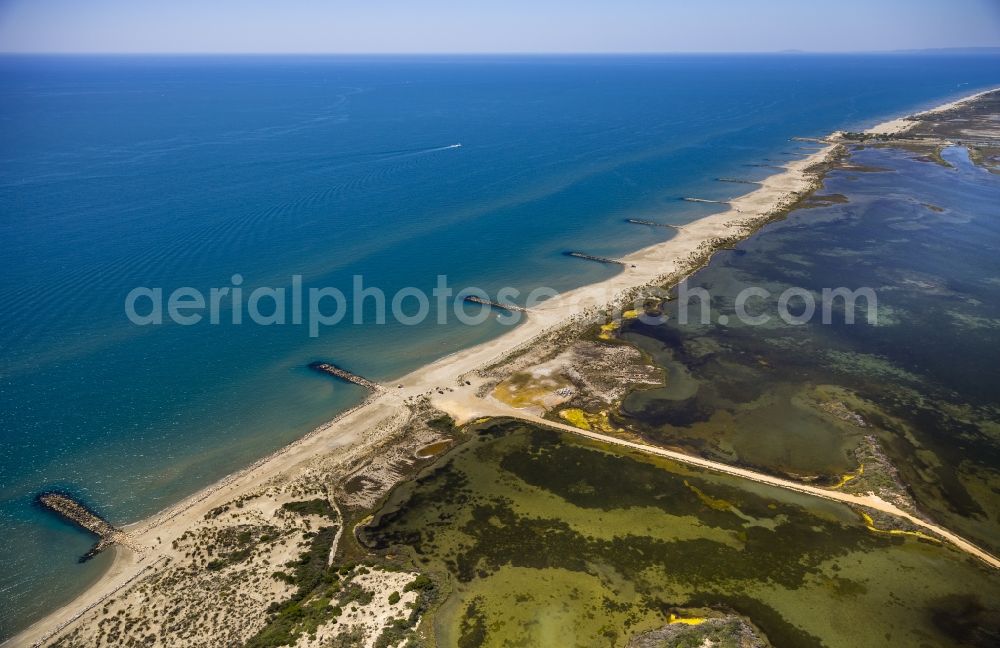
(343, 374)
(486, 302)
(70, 509)
(639, 221)
(599, 259)
(737, 181)
(705, 200)
(766, 166)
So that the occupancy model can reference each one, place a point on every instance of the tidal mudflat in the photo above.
(546, 539)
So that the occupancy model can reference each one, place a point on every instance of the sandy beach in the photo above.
(451, 383)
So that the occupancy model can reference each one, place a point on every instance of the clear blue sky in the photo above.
(426, 26)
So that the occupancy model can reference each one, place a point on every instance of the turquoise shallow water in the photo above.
(122, 172)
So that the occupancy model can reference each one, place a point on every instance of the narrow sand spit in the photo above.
(654, 265)
(903, 124)
(466, 409)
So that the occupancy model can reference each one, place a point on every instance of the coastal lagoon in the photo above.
(121, 172)
(922, 377)
(543, 538)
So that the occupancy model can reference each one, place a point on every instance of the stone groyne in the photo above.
(68, 508)
(767, 166)
(502, 305)
(705, 200)
(343, 374)
(639, 221)
(599, 259)
(737, 181)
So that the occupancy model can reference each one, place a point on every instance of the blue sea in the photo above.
(121, 172)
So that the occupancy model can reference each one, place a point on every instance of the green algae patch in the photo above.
(715, 503)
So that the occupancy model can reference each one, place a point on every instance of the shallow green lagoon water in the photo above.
(923, 378)
(550, 540)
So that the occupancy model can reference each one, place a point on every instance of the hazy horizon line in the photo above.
(956, 50)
